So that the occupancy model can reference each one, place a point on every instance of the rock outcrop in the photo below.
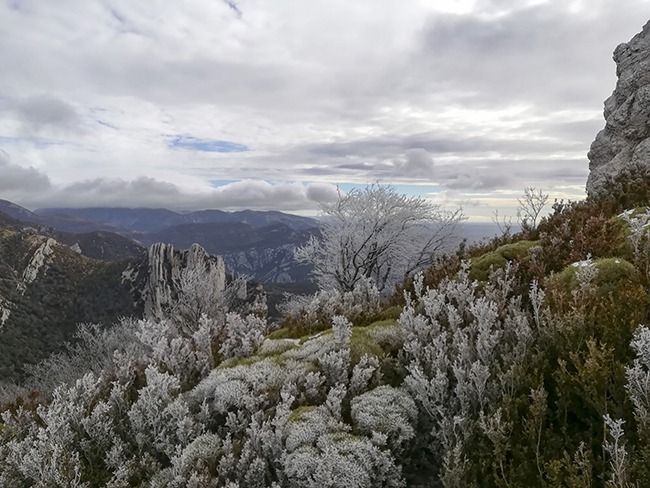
(169, 269)
(625, 140)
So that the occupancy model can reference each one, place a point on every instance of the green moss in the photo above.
(297, 414)
(482, 266)
(381, 324)
(234, 362)
(516, 249)
(614, 269)
(611, 271)
(392, 313)
(362, 343)
(283, 333)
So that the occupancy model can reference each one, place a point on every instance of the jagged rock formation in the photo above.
(263, 254)
(625, 140)
(167, 270)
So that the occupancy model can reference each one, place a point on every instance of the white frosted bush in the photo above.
(244, 335)
(388, 411)
(638, 378)
(160, 419)
(342, 460)
(465, 353)
(327, 303)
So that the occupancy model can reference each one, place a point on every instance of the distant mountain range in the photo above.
(157, 219)
(256, 244)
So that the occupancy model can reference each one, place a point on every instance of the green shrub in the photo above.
(483, 265)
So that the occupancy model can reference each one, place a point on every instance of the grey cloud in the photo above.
(534, 54)
(357, 166)
(390, 146)
(477, 180)
(321, 192)
(44, 112)
(512, 174)
(15, 179)
(418, 163)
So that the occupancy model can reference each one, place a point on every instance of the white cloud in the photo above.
(500, 94)
(150, 192)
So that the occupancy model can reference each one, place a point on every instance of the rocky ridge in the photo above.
(625, 140)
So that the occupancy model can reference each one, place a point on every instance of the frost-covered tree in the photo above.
(376, 233)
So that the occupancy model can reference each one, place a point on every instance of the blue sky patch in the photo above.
(186, 142)
(218, 183)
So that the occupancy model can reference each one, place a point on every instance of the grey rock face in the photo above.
(625, 140)
(166, 269)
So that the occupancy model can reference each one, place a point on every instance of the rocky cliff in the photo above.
(625, 140)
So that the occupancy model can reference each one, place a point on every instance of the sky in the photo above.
(235, 104)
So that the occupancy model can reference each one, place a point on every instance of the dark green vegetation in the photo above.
(67, 290)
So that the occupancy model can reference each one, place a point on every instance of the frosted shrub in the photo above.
(342, 460)
(319, 450)
(231, 397)
(466, 352)
(50, 453)
(638, 379)
(159, 418)
(388, 411)
(197, 464)
(335, 364)
(325, 304)
(363, 374)
(614, 446)
(93, 352)
(244, 335)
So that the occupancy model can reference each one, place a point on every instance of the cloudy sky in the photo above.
(269, 104)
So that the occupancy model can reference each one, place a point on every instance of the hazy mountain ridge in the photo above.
(107, 246)
(158, 219)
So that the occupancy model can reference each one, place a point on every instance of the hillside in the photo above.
(102, 245)
(524, 358)
(46, 289)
